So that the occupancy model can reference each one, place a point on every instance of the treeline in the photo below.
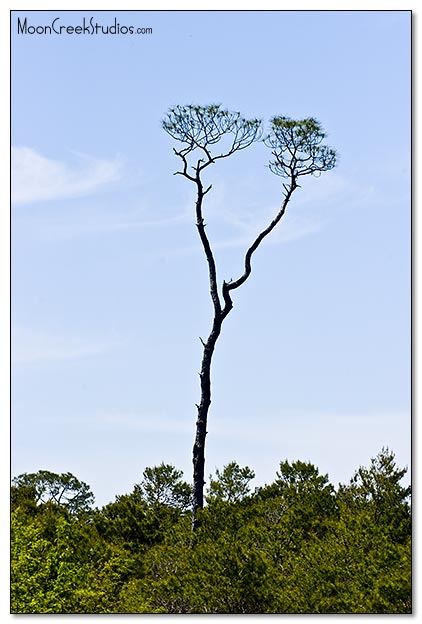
(296, 545)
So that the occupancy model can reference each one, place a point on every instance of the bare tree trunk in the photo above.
(201, 422)
(205, 373)
(209, 346)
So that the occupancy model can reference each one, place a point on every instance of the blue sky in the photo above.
(109, 282)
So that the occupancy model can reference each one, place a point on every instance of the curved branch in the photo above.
(232, 285)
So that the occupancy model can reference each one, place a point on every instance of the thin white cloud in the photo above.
(289, 230)
(30, 346)
(38, 178)
(247, 220)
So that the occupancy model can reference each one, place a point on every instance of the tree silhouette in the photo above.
(297, 150)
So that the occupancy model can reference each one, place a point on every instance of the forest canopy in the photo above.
(296, 545)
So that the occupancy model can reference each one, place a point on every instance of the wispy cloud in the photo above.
(234, 231)
(305, 215)
(233, 221)
(289, 230)
(30, 346)
(38, 178)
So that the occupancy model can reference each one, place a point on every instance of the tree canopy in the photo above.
(61, 489)
(297, 147)
(202, 127)
(295, 545)
(163, 485)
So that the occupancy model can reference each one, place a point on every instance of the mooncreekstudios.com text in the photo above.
(88, 27)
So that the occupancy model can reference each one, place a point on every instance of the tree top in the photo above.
(201, 127)
(297, 147)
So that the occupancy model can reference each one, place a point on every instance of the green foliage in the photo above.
(60, 489)
(200, 127)
(24, 496)
(163, 485)
(221, 576)
(293, 546)
(129, 523)
(297, 147)
(53, 571)
(231, 484)
(354, 568)
(301, 502)
(133, 525)
(378, 490)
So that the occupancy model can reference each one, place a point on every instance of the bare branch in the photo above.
(182, 155)
(232, 285)
(201, 127)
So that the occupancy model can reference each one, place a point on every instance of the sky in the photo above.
(109, 281)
